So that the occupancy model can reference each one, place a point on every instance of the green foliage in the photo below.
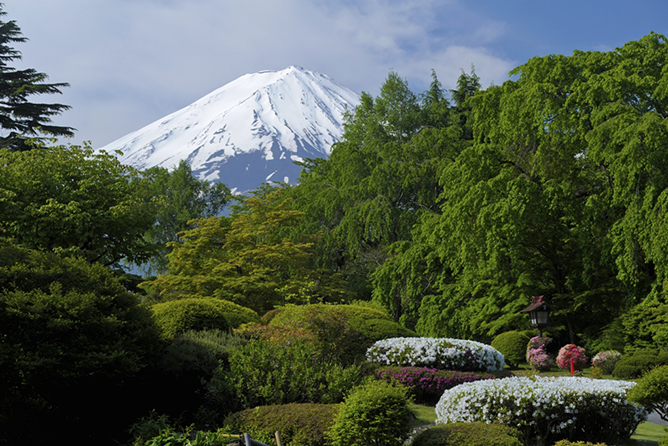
(250, 258)
(177, 316)
(468, 434)
(299, 424)
(559, 194)
(265, 373)
(577, 443)
(652, 391)
(640, 362)
(375, 413)
(76, 200)
(513, 346)
(20, 118)
(645, 326)
(342, 332)
(379, 179)
(199, 351)
(71, 337)
(186, 198)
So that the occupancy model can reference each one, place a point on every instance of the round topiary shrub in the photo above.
(606, 361)
(299, 424)
(440, 353)
(572, 356)
(652, 391)
(177, 316)
(375, 413)
(546, 408)
(512, 345)
(468, 434)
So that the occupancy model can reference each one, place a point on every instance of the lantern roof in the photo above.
(537, 302)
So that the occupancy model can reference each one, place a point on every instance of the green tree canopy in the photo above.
(19, 117)
(186, 198)
(72, 198)
(250, 258)
(561, 194)
(379, 178)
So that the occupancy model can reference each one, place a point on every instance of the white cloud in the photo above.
(133, 61)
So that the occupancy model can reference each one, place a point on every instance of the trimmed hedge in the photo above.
(375, 413)
(299, 424)
(468, 434)
(513, 346)
(639, 363)
(427, 385)
(343, 332)
(177, 316)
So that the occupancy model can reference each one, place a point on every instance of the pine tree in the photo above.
(20, 118)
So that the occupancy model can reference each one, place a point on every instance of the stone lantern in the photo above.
(539, 311)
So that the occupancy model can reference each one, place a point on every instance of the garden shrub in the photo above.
(177, 316)
(577, 443)
(570, 355)
(546, 409)
(263, 373)
(375, 413)
(426, 385)
(343, 332)
(512, 345)
(606, 361)
(537, 356)
(440, 353)
(468, 434)
(299, 424)
(652, 391)
(640, 362)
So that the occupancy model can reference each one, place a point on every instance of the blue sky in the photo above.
(131, 62)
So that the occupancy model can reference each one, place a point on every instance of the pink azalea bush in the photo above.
(537, 356)
(572, 353)
(606, 361)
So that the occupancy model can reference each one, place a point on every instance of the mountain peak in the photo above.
(247, 132)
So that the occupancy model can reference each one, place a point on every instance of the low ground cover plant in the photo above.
(546, 409)
(299, 424)
(426, 385)
(440, 353)
(468, 434)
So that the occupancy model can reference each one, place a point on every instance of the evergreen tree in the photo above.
(20, 118)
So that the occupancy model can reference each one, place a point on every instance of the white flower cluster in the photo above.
(544, 406)
(440, 353)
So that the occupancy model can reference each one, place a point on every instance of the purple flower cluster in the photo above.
(537, 357)
(426, 384)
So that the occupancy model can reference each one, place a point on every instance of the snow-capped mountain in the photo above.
(247, 132)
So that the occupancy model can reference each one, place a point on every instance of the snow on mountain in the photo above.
(247, 132)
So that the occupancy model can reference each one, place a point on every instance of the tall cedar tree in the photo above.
(20, 118)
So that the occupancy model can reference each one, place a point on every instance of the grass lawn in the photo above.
(648, 434)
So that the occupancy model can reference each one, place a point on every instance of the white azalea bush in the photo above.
(546, 409)
(439, 353)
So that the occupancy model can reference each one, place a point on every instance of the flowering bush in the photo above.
(440, 353)
(537, 356)
(606, 361)
(572, 353)
(427, 385)
(546, 409)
